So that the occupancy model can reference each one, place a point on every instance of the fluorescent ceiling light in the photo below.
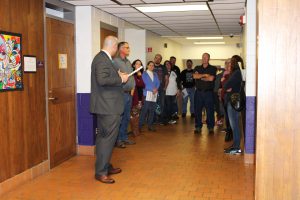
(209, 42)
(174, 8)
(204, 38)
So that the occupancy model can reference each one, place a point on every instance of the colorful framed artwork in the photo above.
(11, 76)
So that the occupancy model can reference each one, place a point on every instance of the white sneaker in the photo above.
(172, 122)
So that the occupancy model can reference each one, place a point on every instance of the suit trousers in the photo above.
(108, 129)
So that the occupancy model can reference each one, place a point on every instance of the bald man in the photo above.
(107, 103)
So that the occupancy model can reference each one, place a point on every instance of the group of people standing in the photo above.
(152, 94)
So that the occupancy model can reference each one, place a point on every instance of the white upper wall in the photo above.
(215, 51)
(88, 45)
(100, 16)
(84, 44)
(157, 44)
(88, 41)
(137, 43)
(251, 66)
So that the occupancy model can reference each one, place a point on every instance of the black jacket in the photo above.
(234, 82)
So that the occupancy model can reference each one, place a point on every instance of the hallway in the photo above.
(169, 164)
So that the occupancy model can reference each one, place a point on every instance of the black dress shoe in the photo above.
(151, 128)
(104, 179)
(197, 130)
(120, 144)
(114, 171)
(129, 142)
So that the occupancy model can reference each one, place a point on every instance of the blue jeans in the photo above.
(125, 118)
(233, 116)
(147, 108)
(191, 94)
(204, 99)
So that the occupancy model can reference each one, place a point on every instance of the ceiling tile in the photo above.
(138, 20)
(161, 1)
(221, 20)
(228, 1)
(147, 23)
(226, 12)
(111, 6)
(182, 21)
(184, 18)
(194, 0)
(223, 6)
(187, 26)
(130, 1)
(120, 10)
(137, 14)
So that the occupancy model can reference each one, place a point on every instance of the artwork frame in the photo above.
(11, 68)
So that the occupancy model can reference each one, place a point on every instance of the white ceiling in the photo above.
(221, 19)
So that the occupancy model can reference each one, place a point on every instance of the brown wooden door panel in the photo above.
(104, 33)
(61, 85)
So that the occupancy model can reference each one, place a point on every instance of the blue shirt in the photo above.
(149, 84)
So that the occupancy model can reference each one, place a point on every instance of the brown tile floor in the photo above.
(170, 164)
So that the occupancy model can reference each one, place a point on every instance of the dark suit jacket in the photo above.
(106, 87)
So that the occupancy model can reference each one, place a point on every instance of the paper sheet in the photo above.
(135, 71)
(151, 97)
(184, 93)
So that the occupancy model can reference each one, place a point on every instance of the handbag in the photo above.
(157, 109)
(238, 99)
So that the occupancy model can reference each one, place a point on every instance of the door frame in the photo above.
(69, 7)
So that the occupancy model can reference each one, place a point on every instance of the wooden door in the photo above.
(61, 86)
(104, 33)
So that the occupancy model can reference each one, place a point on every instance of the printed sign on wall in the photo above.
(29, 64)
(62, 61)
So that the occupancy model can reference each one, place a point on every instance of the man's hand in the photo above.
(196, 75)
(123, 76)
(155, 90)
(205, 75)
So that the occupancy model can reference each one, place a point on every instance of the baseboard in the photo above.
(249, 158)
(24, 177)
(85, 150)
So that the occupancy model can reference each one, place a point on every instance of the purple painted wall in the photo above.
(250, 132)
(86, 121)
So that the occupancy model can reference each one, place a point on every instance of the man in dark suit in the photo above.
(107, 103)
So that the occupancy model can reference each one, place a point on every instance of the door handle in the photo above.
(52, 98)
